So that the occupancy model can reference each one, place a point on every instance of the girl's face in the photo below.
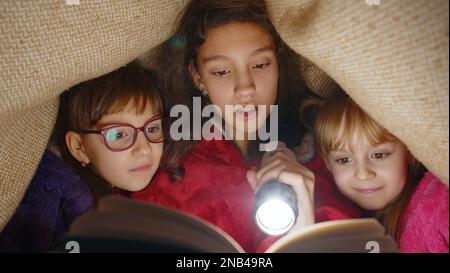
(371, 176)
(133, 168)
(237, 66)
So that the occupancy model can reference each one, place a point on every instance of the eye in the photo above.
(344, 160)
(261, 66)
(114, 134)
(221, 73)
(380, 156)
(153, 129)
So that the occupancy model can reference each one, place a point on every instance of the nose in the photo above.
(245, 87)
(364, 172)
(142, 145)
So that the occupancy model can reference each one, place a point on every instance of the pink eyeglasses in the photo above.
(121, 137)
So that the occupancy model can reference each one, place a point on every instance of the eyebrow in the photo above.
(254, 52)
(114, 122)
(262, 50)
(214, 58)
(103, 125)
(339, 151)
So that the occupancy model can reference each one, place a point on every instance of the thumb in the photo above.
(251, 178)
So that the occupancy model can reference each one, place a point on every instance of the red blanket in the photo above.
(215, 188)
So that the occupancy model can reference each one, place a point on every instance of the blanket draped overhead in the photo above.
(390, 56)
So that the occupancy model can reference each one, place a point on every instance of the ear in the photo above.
(196, 78)
(74, 143)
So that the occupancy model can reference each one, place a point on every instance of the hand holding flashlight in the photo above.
(281, 183)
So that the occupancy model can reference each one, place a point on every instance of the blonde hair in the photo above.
(336, 122)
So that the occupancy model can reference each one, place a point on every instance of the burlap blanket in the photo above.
(391, 56)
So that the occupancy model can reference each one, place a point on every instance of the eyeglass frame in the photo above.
(102, 132)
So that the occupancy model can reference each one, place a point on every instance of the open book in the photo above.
(126, 225)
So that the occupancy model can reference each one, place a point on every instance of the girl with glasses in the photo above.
(111, 130)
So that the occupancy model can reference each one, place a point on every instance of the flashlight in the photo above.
(275, 207)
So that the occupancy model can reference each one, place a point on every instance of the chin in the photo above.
(138, 186)
(135, 189)
(367, 206)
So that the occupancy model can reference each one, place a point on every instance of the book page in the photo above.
(125, 219)
(353, 235)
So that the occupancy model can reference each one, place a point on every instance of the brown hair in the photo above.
(335, 123)
(181, 50)
(83, 105)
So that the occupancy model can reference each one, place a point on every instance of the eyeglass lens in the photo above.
(122, 137)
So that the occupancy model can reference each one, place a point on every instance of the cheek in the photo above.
(273, 78)
(110, 165)
(219, 99)
(157, 151)
(267, 87)
(221, 94)
(96, 150)
(105, 162)
(397, 175)
(342, 177)
(218, 87)
(396, 169)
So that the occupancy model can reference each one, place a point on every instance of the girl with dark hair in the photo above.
(110, 130)
(229, 54)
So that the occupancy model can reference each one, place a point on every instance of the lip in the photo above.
(368, 190)
(142, 168)
(246, 115)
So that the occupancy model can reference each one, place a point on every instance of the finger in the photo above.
(310, 183)
(278, 157)
(270, 165)
(269, 168)
(281, 145)
(296, 177)
(251, 178)
(304, 176)
(284, 153)
(271, 174)
(299, 168)
(305, 198)
(288, 171)
(289, 164)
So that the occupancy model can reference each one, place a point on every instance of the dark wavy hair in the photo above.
(181, 50)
